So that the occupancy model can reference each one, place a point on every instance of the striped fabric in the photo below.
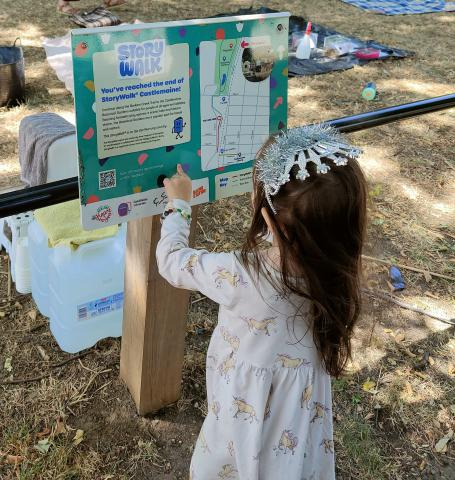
(403, 7)
(100, 17)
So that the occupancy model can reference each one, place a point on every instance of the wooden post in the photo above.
(154, 321)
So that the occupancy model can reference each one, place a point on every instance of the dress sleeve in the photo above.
(216, 275)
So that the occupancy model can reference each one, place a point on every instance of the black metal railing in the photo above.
(52, 193)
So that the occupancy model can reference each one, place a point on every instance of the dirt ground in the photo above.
(396, 403)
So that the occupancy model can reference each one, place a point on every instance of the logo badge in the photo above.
(103, 213)
(124, 209)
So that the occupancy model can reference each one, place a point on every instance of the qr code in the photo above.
(107, 179)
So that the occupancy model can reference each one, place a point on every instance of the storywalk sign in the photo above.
(203, 93)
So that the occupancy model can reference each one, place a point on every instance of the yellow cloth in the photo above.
(62, 225)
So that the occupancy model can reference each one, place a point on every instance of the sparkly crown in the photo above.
(300, 146)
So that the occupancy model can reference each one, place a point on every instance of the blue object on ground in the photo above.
(402, 7)
(396, 278)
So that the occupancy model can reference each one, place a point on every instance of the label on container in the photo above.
(104, 305)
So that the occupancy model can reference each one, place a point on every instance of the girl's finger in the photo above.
(180, 169)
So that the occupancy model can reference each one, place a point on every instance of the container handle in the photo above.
(86, 248)
(20, 42)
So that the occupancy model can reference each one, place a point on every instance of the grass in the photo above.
(360, 446)
(410, 167)
(62, 459)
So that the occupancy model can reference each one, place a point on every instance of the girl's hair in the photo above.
(319, 229)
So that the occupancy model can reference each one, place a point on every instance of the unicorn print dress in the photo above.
(269, 397)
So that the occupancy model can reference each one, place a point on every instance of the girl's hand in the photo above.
(179, 186)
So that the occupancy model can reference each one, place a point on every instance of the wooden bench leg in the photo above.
(154, 322)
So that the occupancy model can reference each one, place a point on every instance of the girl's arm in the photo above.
(216, 275)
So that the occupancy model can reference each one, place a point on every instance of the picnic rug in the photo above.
(321, 63)
(403, 7)
(58, 50)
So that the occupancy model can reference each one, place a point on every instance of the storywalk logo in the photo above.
(137, 60)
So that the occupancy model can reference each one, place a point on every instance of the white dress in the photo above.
(269, 398)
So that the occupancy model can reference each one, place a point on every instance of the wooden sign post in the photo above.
(154, 321)
(151, 96)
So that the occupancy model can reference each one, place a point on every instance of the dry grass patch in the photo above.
(389, 432)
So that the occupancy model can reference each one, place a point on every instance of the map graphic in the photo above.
(235, 100)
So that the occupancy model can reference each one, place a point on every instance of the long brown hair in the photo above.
(319, 228)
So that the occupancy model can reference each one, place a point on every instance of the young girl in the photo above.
(286, 312)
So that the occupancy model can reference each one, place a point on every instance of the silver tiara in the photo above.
(300, 146)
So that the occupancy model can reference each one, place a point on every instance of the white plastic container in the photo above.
(5, 242)
(39, 252)
(86, 292)
(18, 226)
(62, 159)
(303, 51)
(22, 266)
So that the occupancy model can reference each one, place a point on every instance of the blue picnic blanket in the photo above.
(403, 7)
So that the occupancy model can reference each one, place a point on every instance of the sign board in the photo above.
(203, 93)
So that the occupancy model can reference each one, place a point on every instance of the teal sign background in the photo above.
(85, 43)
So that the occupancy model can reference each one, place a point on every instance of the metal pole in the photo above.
(52, 193)
(362, 121)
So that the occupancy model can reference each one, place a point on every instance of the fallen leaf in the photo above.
(391, 361)
(431, 360)
(369, 416)
(8, 365)
(441, 446)
(451, 369)
(427, 276)
(422, 465)
(43, 446)
(11, 459)
(399, 337)
(78, 437)
(368, 386)
(44, 433)
(60, 426)
(423, 376)
(32, 314)
(387, 330)
(43, 353)
(408, 388)
(409, 353)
